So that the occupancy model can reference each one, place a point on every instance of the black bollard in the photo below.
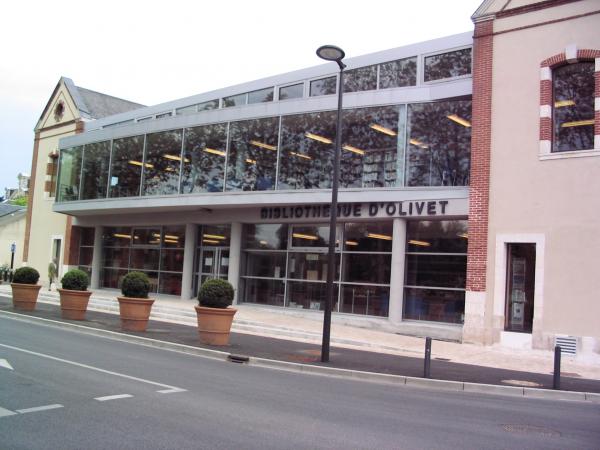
(427, 365)
(557, 354)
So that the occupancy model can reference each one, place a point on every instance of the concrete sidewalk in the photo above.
(306, 327)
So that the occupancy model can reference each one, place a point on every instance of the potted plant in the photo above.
(134, 305)
(74, 296)
(25, 288)
(213, 312)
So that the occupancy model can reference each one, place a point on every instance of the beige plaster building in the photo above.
(12, 230)
(536, 133)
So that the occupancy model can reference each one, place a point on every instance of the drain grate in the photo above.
(530, 429)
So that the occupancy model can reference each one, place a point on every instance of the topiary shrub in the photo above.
(135, 285)
(26, 275)
(215, 293)
(75, 280)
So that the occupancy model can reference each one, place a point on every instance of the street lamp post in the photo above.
(332, 53)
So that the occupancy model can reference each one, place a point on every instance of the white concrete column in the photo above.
(97, 258)
(187, 278)
(235, 253)
(397, 274)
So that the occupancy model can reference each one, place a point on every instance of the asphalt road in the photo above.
(68, 390)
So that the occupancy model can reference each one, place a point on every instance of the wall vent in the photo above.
(567, 344)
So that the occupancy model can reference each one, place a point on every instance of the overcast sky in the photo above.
(155, 51)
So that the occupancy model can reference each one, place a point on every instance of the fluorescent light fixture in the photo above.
(316, 137)
(156, 235)
(169, 236)
(349, 148)
(383, 130)
(139, 163)
(384, 237)
(351, 243)
(250, 161)
(421, 243)
(263, 145)
(563, 103)
(172, 157)
(169, 169)
(124, 236)
(172, 241)
(300, 155)
(210, 241)
(214, 152)
(417, 143)
(214, 236)
(263, 242)
(304, 236)
(577, 123)
(459, 120)
(157, 241)
(463, 235)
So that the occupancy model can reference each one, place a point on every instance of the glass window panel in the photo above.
(116, 236)
(436, 271)
(204, 159)
(293, 91)
(307, 151)
(361, 79)
(434, 305)
(265, 264)
(323, 86)
(86, 236)
(144, 258)
(234, 100)
(304, 295)
(146, 236)
(439, 144)
(171, 260)
(70, 174)
(112, 278)
(448, 65)
(207, 106)
(144, 119)
(170, 283)
(85, 256)
(116, 257)
(163, 158)
(186, 110)
(573, 87)
(310, 266)
(94, 174)
(163, 115)
(367, 268)
(174, 236)
(264, 292)
(437, 236)
(261, 96)
(369, 300)
(400, 73)
(310, 236)
(266, 236)
(252, 154)
(368, 237)
(369, 147)
(214, 235)
(126, 166)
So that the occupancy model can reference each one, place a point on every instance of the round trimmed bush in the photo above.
(135, 285)
(215, 293)
(26, 275)
(75, 280)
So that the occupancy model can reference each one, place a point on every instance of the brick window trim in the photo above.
(571, 55)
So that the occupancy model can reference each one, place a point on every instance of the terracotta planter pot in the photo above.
(73, 304)
(214, 324)
(25, 295)
(135, 313)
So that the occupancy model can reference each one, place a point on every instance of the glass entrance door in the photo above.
(214, 263)
(520, 287)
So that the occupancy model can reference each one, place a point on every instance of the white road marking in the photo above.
(112, 397)
(6, 412)
(97, 369)
(171, 391)
(39, 408)
(4, 363)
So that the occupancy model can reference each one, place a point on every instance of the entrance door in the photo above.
(214, 263)
(520, 287)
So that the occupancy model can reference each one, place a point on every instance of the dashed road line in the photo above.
(113, 397)
(6, 412)
(39, 408)
(171, 391)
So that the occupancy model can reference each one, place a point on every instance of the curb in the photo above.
(446, 385)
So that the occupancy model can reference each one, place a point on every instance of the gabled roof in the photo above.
(91, 104)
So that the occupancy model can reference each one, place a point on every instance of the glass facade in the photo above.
(447, 65)
(400, 73)
(361, 79)
(261, 96)
(573, 87)
(323, 86)
(126, 166)
(293, 91)
(69, 175)
(161, 163)
(86, 250)
(204, 159)
(435, 274)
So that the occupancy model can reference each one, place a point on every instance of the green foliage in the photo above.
(26, 275)
(75, 280)
(135, 285)
(216, 293)
(20, 201)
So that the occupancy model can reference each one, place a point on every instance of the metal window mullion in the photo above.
(401, 153)
(181, 155)
(278, 153)
(81, 172)
(109, 169)
(143, 174)
(436, 288)
(225, 167)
